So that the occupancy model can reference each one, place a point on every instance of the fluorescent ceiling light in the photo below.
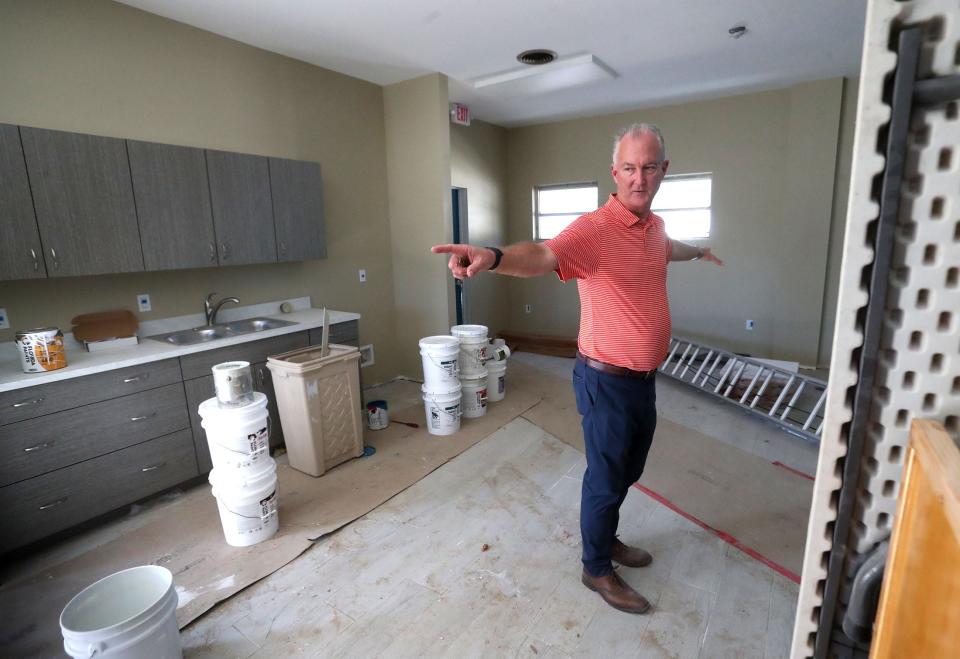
(562, 73)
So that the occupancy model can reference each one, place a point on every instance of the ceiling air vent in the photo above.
(536, 57)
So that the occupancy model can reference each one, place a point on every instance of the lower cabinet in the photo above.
(40, 506)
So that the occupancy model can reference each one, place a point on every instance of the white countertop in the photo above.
(80, 362)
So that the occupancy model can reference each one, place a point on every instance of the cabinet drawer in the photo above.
(30, 402)
(36, 446)
(346, 333)
(40, 506)
(199, 364)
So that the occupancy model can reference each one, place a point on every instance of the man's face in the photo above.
(638, 170)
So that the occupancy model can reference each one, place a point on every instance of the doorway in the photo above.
(458, 199)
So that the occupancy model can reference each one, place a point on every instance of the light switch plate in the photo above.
(363, 275)
(4, 321)
(143, 302)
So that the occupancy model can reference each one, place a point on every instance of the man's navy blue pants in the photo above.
(619, 417)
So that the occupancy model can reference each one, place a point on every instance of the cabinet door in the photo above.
(173, 206)
(199, 390)
(242, 212)
(263, 382)
(84, 202)
(21, 255)
(297, 191)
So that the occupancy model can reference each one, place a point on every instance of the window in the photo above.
(684, 204)
(556, 206)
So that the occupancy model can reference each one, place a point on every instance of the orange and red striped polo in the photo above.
(620, 264)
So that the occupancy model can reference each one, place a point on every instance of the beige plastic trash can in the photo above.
(319, 402)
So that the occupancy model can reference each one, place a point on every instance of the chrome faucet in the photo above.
(211, 310)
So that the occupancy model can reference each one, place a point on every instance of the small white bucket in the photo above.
(442, 411)
(248, 505)
(474, 395)
(441, 359)
(238, 437)
(496, 380)
(377, 416)
(127, 615)
(473, 348)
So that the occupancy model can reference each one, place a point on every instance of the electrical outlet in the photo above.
(366, 355)
(143, 302)
(4, 321)
(528, 308)
(750, 325)
(363, 275)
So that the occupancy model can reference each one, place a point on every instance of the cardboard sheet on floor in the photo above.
(189, 540)
(762, 505)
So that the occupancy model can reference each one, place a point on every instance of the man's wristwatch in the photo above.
(498, 254)
(699, 254)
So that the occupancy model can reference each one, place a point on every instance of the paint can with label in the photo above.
(233, 384)
(41, 349)
(377, 416)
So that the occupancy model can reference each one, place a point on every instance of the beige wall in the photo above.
(838, 219)
(478, 162)
(418, 183)
(103, 68)
(772, 155)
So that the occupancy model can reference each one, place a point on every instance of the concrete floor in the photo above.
(481, 559)
(413, 577)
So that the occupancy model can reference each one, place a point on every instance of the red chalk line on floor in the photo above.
(794, 471)
(723, 535)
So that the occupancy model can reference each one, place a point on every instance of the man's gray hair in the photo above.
(636, 130)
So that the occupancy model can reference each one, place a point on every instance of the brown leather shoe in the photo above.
(616, 592)
(629, 556)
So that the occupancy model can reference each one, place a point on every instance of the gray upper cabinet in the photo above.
(84, 202)
(173, 205)
(298, 209)
(242, 211)
(21, 254)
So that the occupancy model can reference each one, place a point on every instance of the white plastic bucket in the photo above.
(496, 380)
(248, 505)
(441, 362)
(473, 348)
(127, 615)
(474, 395)
(238, 437)
(377, 416)
(442, 410)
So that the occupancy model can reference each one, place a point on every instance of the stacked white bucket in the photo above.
(244, 476)
(441, 384)
(473, 372)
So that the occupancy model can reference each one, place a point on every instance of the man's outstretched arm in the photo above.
(684, 252)
(519, 260)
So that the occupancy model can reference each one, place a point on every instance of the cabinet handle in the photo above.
(144, 417)
(154, 467)
(52, 504)
(260, 377)
(33, 255)
(24, 403)
(213, 252)
(223, 250)
(37, 447)
(283, 247)
(136, 378)
(56, 261)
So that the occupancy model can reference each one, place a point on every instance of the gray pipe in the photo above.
(862, 609)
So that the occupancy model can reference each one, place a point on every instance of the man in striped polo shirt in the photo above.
(618, 254)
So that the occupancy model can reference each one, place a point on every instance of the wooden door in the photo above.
(297, 191)
(242, 211)
(21, 254)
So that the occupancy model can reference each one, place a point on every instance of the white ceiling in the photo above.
(662, 51)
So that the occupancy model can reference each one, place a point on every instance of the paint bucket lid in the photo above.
(469, 331)
(448, 390)
(439, 341)
(474, 378)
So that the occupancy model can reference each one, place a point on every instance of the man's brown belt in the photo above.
(615, 370)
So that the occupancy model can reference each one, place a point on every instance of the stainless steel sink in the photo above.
(220, 331)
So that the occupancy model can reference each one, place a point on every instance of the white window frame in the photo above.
(559, 186)
(709, 209)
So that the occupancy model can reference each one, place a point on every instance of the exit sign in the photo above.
(460, 114)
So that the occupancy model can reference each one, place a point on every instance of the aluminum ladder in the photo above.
(790, 400)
